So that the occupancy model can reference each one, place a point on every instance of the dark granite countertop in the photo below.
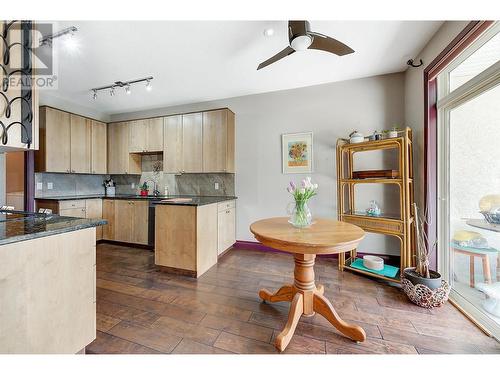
(195, 200)
(16, 226)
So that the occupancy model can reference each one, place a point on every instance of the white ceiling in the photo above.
(195, 61)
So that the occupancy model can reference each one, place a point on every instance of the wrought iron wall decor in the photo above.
(25, 74)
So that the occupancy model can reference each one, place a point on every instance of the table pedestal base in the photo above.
(306, 299)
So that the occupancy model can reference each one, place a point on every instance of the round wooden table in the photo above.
(323, 237)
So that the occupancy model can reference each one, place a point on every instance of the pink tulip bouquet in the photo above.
(300, 215)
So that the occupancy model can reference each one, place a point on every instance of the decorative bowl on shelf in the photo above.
(373, 262)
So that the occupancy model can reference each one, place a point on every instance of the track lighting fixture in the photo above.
(126, 85)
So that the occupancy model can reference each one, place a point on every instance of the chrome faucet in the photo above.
(155, 190)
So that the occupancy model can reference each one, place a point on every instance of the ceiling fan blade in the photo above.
(287, 51)
(325, 43)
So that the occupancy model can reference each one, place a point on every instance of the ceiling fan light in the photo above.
(301, 42)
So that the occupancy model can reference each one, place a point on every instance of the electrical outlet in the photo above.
(132, 185)
(39, 186)
(216, 186)
(50, 185)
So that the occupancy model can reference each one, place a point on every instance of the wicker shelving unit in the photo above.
(400, 227)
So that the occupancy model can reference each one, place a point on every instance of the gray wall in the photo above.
(330, 111)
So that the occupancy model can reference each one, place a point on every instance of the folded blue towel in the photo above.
(388, 271)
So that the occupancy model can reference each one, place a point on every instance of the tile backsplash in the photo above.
(68, 184)
(87, 184)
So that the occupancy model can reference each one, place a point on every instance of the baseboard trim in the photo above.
(177, 271)
(128, 244)
(257, 246)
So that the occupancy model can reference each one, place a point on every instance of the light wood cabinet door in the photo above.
(139, 225)
(74, 212)
(120, 161)
(55, 134)
(80, 144)
(108, 213)
(192, 143)
(214, 141)
(118, 135)
(154, 134)
(172, 144)
(137, 136)
(123, 220)
(93, 209)
(226, 233)
(99, 147)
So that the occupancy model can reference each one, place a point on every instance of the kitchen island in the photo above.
(47, 283)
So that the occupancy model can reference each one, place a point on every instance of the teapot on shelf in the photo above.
(356, 137)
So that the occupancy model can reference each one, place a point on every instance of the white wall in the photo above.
(414, 96)
(331, 111)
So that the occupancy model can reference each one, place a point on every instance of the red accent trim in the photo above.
(468, 35)
(257, 246)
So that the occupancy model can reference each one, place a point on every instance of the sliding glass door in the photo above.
(469, 179)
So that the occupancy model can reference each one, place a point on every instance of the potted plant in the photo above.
(144, 189)
(392, 133)
(421, 274)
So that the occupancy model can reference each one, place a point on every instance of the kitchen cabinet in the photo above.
(99, 147)
(172, 144)
(218, 141)
(70, 143)
(146, 135)
(120, 161)
(129, 221)
(84, 208)
(192, 143)
(226, 226)
(108, 214)
(186, 238)
(54, 154)
(93, 210)
(80, 144)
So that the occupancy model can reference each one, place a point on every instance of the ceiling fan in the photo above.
(301, 38)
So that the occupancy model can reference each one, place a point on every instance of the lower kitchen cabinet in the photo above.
(186, 238)
(84, 208)
(226, 226)
(127, 221)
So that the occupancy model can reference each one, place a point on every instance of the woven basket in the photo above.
(423, 296)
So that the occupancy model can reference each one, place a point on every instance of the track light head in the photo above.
(112, 91)
(127, 90)
(95, 95)
(149, 87)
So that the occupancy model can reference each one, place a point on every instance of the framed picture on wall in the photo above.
(297, 149)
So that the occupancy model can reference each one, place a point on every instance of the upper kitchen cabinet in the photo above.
(80, 144)
(172, 144)
(19, 129)
(54, 154)
(146, 135)
(120, 161)
(99, 147)
(70, 143)
(192, 143)
(218, 141)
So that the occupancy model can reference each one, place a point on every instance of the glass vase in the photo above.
(300, 214)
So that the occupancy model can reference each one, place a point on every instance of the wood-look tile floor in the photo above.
(142, 310)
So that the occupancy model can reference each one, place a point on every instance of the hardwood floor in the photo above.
(142, 310)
